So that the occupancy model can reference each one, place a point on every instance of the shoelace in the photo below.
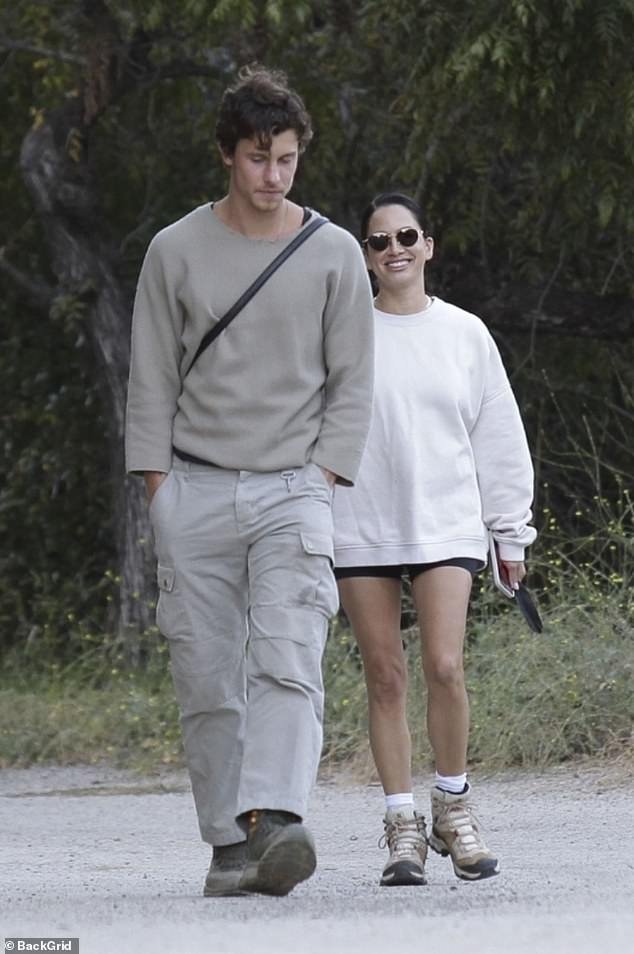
(464, 824)
(403, 837)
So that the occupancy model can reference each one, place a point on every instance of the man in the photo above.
(240, 453)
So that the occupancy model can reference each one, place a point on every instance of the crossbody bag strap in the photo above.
(255, 286)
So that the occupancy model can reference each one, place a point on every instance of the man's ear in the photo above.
(227, 159)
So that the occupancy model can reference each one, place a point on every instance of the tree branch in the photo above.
(20, 46)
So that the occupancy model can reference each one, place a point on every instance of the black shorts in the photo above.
(397, 570)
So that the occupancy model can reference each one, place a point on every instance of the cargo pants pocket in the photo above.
(172, 618)
(318, 548)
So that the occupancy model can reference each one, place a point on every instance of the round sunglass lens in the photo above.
(407, 237)
(378, 242)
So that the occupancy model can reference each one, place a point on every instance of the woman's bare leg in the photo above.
(373, 607)
(441, 598)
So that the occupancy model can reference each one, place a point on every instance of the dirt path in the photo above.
(116, 860)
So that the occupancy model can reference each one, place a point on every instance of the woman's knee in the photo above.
(386, 679)
(445, 671)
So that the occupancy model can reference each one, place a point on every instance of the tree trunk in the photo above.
(55, 172)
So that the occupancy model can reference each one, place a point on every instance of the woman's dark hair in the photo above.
(390, 198)
(260, 105)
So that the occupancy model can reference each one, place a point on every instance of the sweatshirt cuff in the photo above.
(138, 461)
(511, 552)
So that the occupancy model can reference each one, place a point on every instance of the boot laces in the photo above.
(464, 825)
(403, 836)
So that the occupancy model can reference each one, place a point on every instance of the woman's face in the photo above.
(398, 266)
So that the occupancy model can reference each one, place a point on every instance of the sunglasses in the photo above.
(406, 237)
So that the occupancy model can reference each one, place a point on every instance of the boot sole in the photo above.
(225, 885)
(492, 867)
(403, 874)
(288, 860)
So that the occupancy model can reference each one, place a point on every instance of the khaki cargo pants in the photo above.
(246, 590)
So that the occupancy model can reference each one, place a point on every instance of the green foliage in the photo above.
(54, 510)
(553, 698)
(90, 713)
(510, 133)
(512, 122)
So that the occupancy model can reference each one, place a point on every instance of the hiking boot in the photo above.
(405, 836)
(225, 871)
(456, 832)
(280, 852)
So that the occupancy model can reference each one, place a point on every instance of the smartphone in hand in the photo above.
(497, 570)
(521, 596)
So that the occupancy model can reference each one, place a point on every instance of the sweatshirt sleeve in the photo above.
(503, 461)
(154, 384)
(349, 357)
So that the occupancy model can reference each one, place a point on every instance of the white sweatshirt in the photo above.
(446, 456)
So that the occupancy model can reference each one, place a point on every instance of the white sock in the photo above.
(400, 800)
(454, 784)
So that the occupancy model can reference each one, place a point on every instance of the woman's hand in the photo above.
(513, 571)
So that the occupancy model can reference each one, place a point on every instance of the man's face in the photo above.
(262, 177)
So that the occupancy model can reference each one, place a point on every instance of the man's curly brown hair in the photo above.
(260, 105)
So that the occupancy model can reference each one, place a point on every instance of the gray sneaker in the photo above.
(456, 832)
(225, 871)
(280, 852)
(405, 837)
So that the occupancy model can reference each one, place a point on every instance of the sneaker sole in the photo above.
(289, 860)
(490, 867)
(403, 874)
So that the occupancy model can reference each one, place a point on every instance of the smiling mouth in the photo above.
(398, 263)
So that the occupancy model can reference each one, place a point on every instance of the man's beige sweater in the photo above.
(289, 381)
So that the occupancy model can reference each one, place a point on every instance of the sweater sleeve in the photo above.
(349, 357)
(154, 383)
(503, 462)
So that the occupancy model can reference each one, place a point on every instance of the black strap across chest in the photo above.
(255, 286)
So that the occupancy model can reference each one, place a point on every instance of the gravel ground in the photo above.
(115, 860)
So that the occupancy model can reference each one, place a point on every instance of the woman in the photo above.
(446, 459)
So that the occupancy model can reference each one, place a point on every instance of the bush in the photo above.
(90, 712)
